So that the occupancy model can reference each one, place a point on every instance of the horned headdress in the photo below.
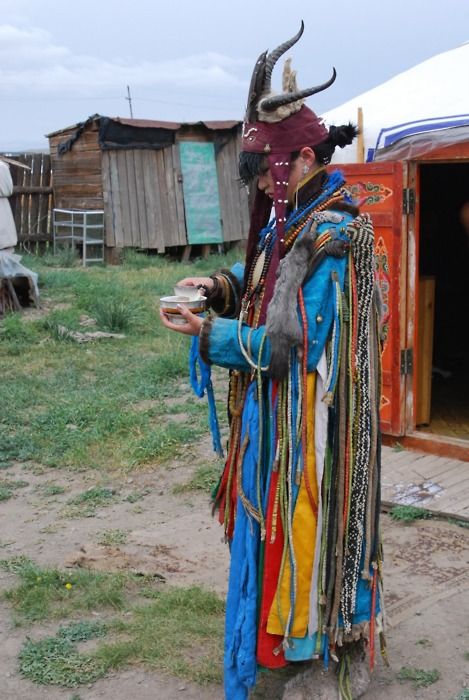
(263, 104)
(279, 124)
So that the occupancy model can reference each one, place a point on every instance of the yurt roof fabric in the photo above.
(410, 140)
(414, 102)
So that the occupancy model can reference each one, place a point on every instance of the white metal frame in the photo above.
(80, 228)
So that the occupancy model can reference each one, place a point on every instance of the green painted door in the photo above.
(200, 188)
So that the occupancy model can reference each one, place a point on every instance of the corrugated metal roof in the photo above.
(155, 124)
(93, 117)
(150, 123)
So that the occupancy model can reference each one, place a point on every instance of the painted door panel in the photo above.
(378, 189)
(201, 196)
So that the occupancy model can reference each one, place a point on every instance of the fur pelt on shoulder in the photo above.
(282, 324)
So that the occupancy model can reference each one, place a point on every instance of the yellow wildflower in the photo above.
(68, 585)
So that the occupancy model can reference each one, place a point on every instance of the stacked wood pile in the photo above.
(8, 299)
(16, 293)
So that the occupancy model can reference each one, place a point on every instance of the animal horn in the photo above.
(273, 57)
(255, 88)
(270, 104)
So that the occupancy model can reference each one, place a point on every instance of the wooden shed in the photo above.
(160, 184)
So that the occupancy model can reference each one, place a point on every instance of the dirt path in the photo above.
(426, 576)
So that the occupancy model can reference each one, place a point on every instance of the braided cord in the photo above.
(260, 401)
(362, 252)
(245, 352)
(293, 565)
(335, 342)
(282, 494)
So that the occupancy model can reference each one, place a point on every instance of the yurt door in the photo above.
(380, 190)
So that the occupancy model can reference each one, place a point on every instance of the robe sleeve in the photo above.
(219, 338)
(219, 344)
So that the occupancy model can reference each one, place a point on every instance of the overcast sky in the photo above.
(189, 60)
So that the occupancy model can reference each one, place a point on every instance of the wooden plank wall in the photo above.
(233, 195)
(234, 205)
(141, 190)
(31, 202)
(142, 196)
(77, 173)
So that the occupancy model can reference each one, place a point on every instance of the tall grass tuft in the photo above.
(117, 314)
(56, 329)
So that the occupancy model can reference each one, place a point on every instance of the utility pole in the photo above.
(129, 98)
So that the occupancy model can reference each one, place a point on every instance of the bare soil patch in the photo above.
(173, 537)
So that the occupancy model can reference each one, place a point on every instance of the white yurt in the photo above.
(422, 108)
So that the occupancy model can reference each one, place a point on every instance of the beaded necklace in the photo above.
(252, 299)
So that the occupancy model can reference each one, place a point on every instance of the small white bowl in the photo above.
(190, 292)
(169, 306)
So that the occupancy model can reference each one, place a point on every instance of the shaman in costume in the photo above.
(298, 328)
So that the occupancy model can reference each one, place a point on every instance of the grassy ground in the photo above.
(179, 631)
(102, 408)
(95, 405)
(100, 452)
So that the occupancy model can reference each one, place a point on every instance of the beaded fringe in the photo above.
(350, 540)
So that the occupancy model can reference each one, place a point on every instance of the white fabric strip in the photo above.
(320, 439)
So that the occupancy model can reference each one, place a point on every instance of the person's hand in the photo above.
(192, 327)
(196, 282)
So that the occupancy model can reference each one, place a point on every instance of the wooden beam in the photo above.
(113, 256)
(426, 313)
(30, 189)
(14, 298)
(11, 161)
(186, 253)
(360, 138)
(440, 445)
(35, 238)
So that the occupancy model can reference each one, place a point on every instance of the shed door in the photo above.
(378, 187)
(200, 187)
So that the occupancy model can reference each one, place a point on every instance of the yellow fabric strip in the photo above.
(304, 539)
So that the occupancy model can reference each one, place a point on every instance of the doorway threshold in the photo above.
(441, 445)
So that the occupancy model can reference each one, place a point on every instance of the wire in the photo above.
(179, 104)
(94, 98)
(62, 98)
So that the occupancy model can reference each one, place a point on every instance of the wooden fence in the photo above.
(32, 200)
